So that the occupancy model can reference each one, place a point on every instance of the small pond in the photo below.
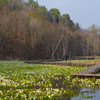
(85, 94)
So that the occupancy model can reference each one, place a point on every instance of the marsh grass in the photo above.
(22, 81)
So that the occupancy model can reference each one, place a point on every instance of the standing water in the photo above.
(86, 94)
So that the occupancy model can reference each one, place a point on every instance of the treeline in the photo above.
(30, 31)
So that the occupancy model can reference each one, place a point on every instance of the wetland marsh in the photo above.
(22, 81)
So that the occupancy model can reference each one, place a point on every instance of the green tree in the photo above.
(42, 11)
(55, 15)
(65, 18)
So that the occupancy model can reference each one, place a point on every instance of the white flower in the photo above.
(57, 90)
(49, 96)
(47, 89)
(21, 91)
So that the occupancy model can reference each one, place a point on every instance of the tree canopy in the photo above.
(29, 31)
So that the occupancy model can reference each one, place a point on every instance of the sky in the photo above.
(85, 12)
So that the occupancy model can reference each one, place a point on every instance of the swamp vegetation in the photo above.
(22, 81)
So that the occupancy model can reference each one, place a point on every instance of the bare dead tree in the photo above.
(66, 37)
(56, 47)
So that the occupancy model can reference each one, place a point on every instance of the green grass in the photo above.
(22, 81)
(82, 61)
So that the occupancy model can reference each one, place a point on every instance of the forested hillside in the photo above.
(29, 31)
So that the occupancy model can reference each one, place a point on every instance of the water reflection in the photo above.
(75, 93)
(87, 94)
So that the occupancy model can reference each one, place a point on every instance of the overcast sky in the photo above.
(85, 12)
